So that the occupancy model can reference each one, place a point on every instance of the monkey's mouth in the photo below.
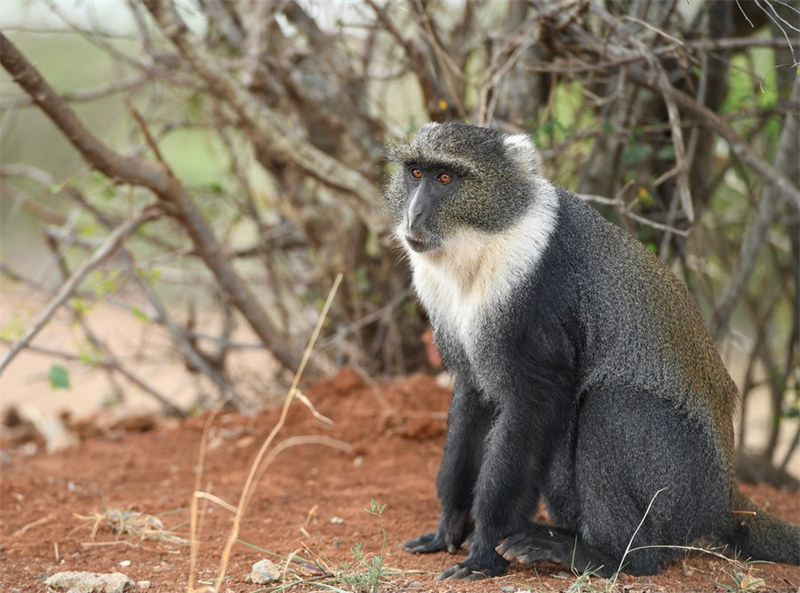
(419, 243)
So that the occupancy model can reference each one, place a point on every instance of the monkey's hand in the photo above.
(454, 528)
(476, 567)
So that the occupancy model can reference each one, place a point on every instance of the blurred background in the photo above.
(175, 246)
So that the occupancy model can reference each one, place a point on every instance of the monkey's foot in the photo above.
(527, 548)
(471, 570)
(542, 542)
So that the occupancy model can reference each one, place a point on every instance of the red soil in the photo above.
(311, 500)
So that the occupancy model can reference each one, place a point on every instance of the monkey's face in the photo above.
(429, 190)
(453, 178)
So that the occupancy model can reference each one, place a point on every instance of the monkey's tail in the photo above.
(758, 535)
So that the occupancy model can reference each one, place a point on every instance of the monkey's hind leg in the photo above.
(542, 542)
(650, 478)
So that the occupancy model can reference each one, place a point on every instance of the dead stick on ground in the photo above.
(112, 242)
(249, 485)
(40, 521)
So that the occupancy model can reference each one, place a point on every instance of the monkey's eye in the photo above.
(444, 178)
(416, 173)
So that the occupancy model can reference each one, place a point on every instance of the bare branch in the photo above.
(155, 177)
(107, 248)
(435, 96)
(268, 128)
(785, 161)
(621, 207)
(96, 153)
(711, 120)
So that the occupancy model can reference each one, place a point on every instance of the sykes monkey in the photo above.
(584, 373)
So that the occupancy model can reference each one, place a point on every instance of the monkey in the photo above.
(584, 374)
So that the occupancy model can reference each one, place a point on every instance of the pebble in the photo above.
(264, 571)
(87, 582)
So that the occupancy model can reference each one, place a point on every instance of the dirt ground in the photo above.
(309, 505)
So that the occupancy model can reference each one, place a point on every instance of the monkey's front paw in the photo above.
(426, 543)
(471, 570)
(454, 528)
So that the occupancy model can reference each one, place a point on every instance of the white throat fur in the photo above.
(474, 271)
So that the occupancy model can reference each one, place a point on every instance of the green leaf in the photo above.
(148, 275)
(80, 306)
(635, 153)
(103, 283)
(59, 377)
(12, 330)
(140, 315)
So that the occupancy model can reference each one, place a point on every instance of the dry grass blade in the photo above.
(193, 514)
(249, 485)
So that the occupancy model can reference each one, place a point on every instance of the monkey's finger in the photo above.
(457, 571)
(471, 571)
(502, 548)
(510, 547)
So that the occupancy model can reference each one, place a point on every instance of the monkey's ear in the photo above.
(520, 149)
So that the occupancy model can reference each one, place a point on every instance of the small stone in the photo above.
(264, 571)
(337, 520)
(143, 584)
(125, 563)
(88, 582)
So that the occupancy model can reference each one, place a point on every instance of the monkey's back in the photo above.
(641, 327)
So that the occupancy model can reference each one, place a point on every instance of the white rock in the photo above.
(264, 571)
(88, 582)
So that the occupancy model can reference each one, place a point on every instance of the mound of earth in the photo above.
(120, 502)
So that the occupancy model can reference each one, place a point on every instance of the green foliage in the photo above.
(140, 315)
(742, 94)
(101, 283)
(197, 157)
(367, 575)
(13, 329)
(149, 275)
(58, 376)
(80, 306)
